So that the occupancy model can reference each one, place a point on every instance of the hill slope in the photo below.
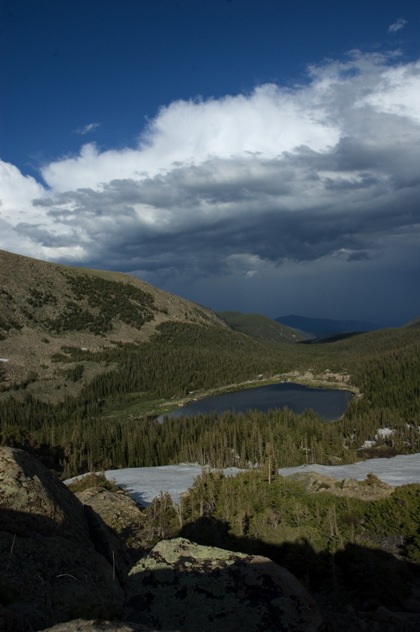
(45, 307)
(261, 327)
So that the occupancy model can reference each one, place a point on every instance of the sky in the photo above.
(252, 155)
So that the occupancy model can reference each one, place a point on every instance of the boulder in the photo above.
(121, 514)
(51, 569)
(186, 586)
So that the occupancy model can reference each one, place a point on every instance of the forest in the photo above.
(111, 423)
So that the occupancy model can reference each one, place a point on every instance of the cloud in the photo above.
(246, 187)
(87, 129)
(397, 25)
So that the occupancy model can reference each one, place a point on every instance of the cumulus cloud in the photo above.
(242, 186)
(397, 25)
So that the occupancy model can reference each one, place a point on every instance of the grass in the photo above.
(142, 406)
(92, 480)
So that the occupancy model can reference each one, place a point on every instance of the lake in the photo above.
(329, 404)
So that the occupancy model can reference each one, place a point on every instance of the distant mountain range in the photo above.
(324, 327)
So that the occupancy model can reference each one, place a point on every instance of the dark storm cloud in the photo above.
(322, 177)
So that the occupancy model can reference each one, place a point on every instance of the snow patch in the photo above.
(398, 470)
(145, 483)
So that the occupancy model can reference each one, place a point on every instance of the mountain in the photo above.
(46, 308)
(324, 327)
(105, 342)
(261, 327)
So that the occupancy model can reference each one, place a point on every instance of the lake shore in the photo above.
(327, 379)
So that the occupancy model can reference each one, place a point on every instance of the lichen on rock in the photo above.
(187, 586)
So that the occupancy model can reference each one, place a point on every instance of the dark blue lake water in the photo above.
(329, 404)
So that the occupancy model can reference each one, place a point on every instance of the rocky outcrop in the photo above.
(51, 569)
(188, 587)
(370, 489)
(121, 514)
(55, 574)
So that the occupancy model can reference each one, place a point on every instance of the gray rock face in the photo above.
(50, 570)
(181, 585)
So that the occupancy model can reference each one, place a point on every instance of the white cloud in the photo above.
(322, 171)
(87, 129)
(397, 25)
(16, 194)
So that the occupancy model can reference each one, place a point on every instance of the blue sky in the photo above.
(260, 156)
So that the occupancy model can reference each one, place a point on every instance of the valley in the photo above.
(90, 360)
(94, 357)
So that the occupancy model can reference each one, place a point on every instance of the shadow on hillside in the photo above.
(356, 581)
(50, 569)
(356, 588)
(332, 338)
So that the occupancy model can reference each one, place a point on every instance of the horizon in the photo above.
(255, 159)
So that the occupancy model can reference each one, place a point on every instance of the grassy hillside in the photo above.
(261, 327)
(46, 308)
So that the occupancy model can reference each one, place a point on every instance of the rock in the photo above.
(313, 482)
(349, 483)
(121, 514)
(51, 571)
(371, 489)
(98, 626)
(182, 585)
(108, 544)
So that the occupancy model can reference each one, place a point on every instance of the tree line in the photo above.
(84, 433)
